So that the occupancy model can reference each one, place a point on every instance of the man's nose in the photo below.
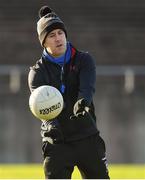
(57, 37)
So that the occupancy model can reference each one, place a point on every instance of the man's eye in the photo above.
(51, 35)
(60, 32)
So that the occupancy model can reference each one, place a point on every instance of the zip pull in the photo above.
(62, 88)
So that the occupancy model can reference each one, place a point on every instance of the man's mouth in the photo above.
(59, 45)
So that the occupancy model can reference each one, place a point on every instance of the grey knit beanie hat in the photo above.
(48, 22)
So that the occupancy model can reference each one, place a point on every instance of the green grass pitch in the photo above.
(35, 171)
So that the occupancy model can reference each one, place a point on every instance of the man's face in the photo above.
(55, 42)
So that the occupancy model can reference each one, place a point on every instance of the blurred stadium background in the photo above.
(113, 31)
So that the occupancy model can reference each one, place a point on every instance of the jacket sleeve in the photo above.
(87, 78)
(35, 79)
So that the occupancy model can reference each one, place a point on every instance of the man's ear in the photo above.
(44, 44)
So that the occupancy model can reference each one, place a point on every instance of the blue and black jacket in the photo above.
(79, 78)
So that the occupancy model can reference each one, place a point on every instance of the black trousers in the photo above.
(87, 154)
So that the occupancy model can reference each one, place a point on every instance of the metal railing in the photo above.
(14, 72)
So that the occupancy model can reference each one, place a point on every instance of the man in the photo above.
(72, 139)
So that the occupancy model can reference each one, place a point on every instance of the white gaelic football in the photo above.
(46, 102)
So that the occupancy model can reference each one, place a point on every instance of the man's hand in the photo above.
(52, 133)
(80, 107)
